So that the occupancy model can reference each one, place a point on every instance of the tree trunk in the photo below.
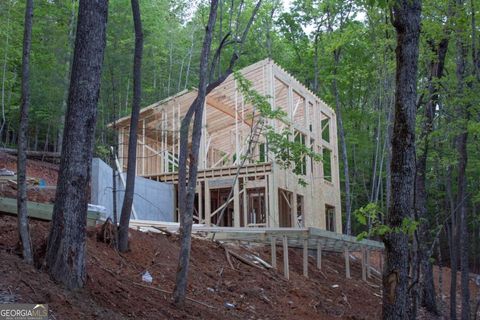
(452, 245)
(475, 52)
(114, 194)
(132, 139)
(186, 193)
(23, 230)
(4, 72)
(47, 136)
(170, 66)
(68, 58)
(35, 139)
(65, 257)
(461, 146)
(187, 73)
(427, 286)
(406, 20)
(343, 145)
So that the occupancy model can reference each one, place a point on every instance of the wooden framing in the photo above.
(305, 238)
(227, 129)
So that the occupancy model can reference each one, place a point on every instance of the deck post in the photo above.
(368, 264)
(285, 258)
(208, 210)
(364, 273)
(305, 258)
(245, 203)
(319, 255)
(236, 204)
(381, 261)
(347, 263)
(143, 148)
(273, 243)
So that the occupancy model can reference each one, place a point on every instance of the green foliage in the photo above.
(102, 152)
(287, 151)
(371, 215)
(302, 40)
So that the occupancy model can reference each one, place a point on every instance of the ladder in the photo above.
(253, 139)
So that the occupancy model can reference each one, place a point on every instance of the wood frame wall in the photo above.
(227, 123)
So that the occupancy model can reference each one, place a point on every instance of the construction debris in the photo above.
(147, 277)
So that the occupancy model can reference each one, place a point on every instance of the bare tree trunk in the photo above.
(126, 101)
(268, 35)
(436, 72)
(187, 73)
(375, 157)
(475, 53)
(114, 196)
(180, 74)
(68, 58)
(187, 192)
(23, 230)
(406, 20)
(65, 257)
(388, 162)
(170, 67)
(315, 63)
(4, 73)
(47, 136)
(440, 280)
(343, 145)
(35, 139)
(461, 146)
(132, 139)
(452, 245)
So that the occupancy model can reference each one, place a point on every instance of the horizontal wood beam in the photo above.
(41, 211)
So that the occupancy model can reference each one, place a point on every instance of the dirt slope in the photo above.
(37, 170)
(112, 290)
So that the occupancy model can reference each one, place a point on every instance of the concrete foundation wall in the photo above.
(152, 200)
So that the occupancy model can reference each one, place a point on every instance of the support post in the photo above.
(364, 273)
(245, 204)
(347, 263)
(273, 244)
(236, 204)
(120, 149)
(208, 210)
(285, 258)
(305, 258)
(143, 148)
(319, 255)
(381, 261)
(367, 262)
(293, 210)
(200, 206)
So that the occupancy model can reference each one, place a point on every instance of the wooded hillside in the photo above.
(347, 52)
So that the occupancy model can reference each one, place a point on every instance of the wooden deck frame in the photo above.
(311, 238)
(227, 124)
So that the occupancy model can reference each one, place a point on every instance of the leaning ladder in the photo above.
(250, 147)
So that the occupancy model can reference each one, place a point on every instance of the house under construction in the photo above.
(265, 194)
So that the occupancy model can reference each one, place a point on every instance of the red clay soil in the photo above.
(35, 169)
(115, 290)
